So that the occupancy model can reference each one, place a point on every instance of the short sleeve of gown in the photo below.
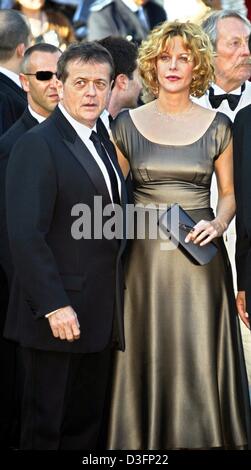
(122, 132)
(223, 133)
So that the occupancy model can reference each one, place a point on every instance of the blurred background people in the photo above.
(6, 4)
(131, 19)
(193, 10)
(237, 5)
(47, 24)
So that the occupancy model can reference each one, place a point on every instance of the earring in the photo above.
(156, 90)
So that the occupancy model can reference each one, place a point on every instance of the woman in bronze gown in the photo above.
(181, 383)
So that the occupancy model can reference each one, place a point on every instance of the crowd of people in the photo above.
(112, 335)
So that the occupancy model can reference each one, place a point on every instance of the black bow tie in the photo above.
(233, 100)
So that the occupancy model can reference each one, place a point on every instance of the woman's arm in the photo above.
(123, 162)
(225, 182)
(205, 231)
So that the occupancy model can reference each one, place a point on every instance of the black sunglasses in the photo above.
(42, 75)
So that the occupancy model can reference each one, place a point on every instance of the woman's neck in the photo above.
(173, 103)
(35, 14)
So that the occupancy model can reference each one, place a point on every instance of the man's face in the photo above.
(86, 90)
(42, 95)
(133, 90)
(231, 63)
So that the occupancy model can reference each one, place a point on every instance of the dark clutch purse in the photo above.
(178, 224)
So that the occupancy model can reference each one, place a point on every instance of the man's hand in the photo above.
(64, 324)
(241, 307)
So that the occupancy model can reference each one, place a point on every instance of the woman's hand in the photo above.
(241, 307)
(205, 231)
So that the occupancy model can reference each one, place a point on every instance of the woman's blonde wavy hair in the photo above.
(159, 40)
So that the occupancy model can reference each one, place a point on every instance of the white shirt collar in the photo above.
(83, 131)
(37, 116)
(105, 118)
(219, 91)
(12, 75)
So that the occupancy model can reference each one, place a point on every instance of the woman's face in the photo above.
(175, 68)
(31, 4)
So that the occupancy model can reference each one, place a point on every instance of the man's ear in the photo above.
(122, 81)
(20, 50)
(60, 89)
(24, 82)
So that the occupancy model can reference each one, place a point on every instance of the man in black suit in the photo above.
(42, 99)
(14, 34)
(242, 178)
(132, 20)
(242, 174)
(14, 37)
(66, 302)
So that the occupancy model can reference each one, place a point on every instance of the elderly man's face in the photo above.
(86, 90)
(232, 62)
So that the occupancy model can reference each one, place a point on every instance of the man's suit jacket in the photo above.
(242, 180)
(113, 17)
(49, 172)
(7, 141)
(8, 364)
(13, 102)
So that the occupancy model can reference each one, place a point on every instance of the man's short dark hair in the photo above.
(124, 54)
(91, 52)
(14, 30)
(41, 47)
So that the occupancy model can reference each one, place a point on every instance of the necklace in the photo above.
(174, 116)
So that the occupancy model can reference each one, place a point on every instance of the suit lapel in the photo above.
(79, 150)
(28, 120)
(87, 161)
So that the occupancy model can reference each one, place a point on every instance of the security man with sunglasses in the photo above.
(38, 72)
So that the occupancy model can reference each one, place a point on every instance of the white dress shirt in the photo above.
(245, 100)
(37, 116)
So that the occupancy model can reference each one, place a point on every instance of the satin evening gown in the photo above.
(181, 383)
